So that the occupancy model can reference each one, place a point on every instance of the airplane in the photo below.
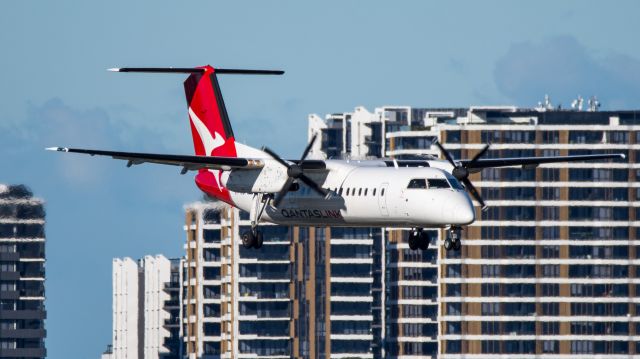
(416, 194)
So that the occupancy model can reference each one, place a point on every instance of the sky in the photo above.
(54, 91)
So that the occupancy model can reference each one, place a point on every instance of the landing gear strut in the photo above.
(452, 241)
(419, 239)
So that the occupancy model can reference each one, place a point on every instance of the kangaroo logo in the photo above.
(209, 142)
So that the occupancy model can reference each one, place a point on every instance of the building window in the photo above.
(551, 346)
(491, 346)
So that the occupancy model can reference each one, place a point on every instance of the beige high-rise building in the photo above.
(307, 293)
(550, 268)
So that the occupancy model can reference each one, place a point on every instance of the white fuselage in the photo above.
(363, 193)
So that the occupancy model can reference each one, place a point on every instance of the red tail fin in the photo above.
(210, 126)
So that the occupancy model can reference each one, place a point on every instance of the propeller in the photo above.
(295, 172)
(461, 172)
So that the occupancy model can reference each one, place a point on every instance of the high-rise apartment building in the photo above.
(146, 308)
(22, 274)
(549, 268)
(308, 292)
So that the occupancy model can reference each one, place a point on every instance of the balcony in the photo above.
(171, 287)
(23, 353)
(9, 294)
(32, 274)
(10, 275)
(22, 333)
(171, 322)
(22, 314)
(31, 293)
(172, 304)
(9, 256)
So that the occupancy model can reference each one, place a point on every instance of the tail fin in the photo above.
(210, 126)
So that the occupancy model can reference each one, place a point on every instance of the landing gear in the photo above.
(453, 241)
(419, 239)
(252, 239)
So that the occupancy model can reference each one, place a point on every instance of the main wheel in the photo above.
(248, 239)
(414, 241)
(457, 244)
(424, 241)
(258, 242)
(448, 243)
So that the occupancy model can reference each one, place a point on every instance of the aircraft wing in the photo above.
(531, 161)
(188, 163)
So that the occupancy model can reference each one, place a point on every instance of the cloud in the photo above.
(55, 123)
(564, 68)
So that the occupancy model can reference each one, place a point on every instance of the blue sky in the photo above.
(54, 90)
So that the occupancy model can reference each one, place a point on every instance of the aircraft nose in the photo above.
(462, 211)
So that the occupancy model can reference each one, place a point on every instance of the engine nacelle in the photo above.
(268, 179)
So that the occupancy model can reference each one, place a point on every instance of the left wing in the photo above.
(188, 163)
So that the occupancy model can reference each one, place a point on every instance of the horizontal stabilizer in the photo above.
(194, 70)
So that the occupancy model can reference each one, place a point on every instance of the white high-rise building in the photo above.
(139, 313)
(157, 272)
(126, 308)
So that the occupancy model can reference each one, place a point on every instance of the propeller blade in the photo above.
(283, 192)
(446, 153)
(474, 193)
(276, 157)
(306, 150)
(478, 155)
(313, 185)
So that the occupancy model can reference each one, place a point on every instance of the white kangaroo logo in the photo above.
(210, 142)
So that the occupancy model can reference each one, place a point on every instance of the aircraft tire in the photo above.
(258, 240)
(448, 243)
(414, 241)
(424, 241)
(248, 239)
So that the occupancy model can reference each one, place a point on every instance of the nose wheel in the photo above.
(453, 240)
(419, 239)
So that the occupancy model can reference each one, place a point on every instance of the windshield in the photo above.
(438, 183)
(454, 182)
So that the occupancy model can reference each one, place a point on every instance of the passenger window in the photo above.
(438, 183)
(382, 192)
(340, 191)
(360, 192)
(365, 191)
(418, 183)
(347, 191)
(374, 191)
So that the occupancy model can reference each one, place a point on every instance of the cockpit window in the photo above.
(438, 183)
(454, 182)
(417, 183)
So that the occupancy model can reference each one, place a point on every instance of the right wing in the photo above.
(188, 163)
